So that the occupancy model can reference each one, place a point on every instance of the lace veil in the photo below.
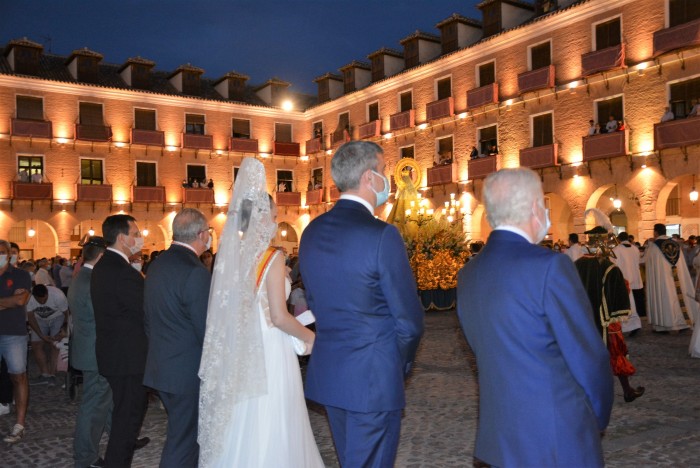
(233, 362)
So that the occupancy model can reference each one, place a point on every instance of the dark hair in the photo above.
(13, 245)
(40, 290)
(623, 236)
(93, 248)
(115, 225)
(660, 229)
(573, 238)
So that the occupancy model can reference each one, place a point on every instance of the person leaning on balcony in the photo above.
(668, 115)
(611, 126)
(593, 129)
(36, 178)
(23, 176)
(695, 111)
(621, 126)
(475, 153)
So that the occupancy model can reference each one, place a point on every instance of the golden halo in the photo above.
(415, 173)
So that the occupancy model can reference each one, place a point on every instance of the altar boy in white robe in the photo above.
(626, 257)
(669, 308)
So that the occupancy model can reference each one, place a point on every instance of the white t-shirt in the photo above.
(56, 304)
(42, 276)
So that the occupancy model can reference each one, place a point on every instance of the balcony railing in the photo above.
(442, 174)
(94, 193)
(536, 79)
(314, 145)
(243, 145)
(402, 120)
(677, 133)
(439, 109)
(93, 132)
(602, 60)
(481, 167)
(288, 198)
(199, 142)
(605, 145)
(314, 197)
(147, 137)
(539, 156)
(678, 37)
(370, 129)
(141, 194)
(339, 137)
(197, 195)
(334, 193)
(283, 148)
(482, 96)
(29, 191)
(32, 128)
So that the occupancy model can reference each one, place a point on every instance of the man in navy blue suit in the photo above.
(545, 383)
(369, 319)
(176, 298)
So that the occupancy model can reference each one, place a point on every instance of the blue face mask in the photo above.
(382, 196)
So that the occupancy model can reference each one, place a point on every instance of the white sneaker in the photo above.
(15, 435)
(4, 409)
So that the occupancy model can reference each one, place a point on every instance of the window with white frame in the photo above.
(30, 108)
(405, 101)
(283, 132)
(540, 56)
(488, 140)
(91, 171)
(608, 34)
(194, 124)
(373, 111)
(407, 152)
(145, 119)
(285, 180)
(487, 73)
(146, 174)
(542, 129)
(443, 149)
(443, 88)
(240, 128)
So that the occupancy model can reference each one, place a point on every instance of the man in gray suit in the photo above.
(176, 298)
(96, 403)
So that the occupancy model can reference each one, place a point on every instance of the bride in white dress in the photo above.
(252, 407)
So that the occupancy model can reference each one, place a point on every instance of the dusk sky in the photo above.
(295, 40)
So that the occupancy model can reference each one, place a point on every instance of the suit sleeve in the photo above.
(197, 299)
(568, 309)
(399, 288)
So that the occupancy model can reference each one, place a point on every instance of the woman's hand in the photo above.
(310, 344)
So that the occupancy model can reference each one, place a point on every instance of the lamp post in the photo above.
(693, 193)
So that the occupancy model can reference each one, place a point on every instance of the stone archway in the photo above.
(602, 199)
(286, 237)
(36, 239)
(674, 206)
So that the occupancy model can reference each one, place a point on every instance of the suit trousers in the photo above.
(181, 448)
(94, 417)
(365, 439)
(130, 401)
(640, 302)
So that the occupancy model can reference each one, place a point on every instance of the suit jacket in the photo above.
(545, 384)
(369, 319)
(117, 297)
(176, 298)
(82, 355)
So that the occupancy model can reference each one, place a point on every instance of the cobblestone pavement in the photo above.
(660, 429)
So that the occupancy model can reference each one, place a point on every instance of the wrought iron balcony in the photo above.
(147, 137)
(536, 79)
(602, 60)
(244, 145)
(197, 195)
(314, 197)
(93, 132)
(288, 198)
(481, 167)
(677, 133)
(482, 96)
(286, 148)
(339, 137)
(94, 193)
(442, 174)
(678, 37)
(605, 145)
(314, 145)
(334, 193)
(141, 194)
(439, 109)
(402, 120)
(32, 128)
(370, 129)
(539, 156)
(29, 191)
(199, 142)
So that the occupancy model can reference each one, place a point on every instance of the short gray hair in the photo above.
(509, 195)
(352, 160)
(187, 224)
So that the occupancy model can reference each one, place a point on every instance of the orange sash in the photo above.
(262, 265)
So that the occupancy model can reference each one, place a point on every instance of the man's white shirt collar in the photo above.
(515, 230)
(347, 196)
(122, 254)
(88, 266)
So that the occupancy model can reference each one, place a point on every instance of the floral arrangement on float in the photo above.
(435, 242)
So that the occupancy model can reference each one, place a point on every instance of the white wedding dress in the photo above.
(272, 430)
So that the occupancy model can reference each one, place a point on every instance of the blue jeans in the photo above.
(14, 349)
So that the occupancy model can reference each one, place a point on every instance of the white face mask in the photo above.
(137, 266)
(544, 227)
(3, 260)
(209, 242)
(137, 247)
(13, 259)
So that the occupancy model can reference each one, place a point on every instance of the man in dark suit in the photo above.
(177, 293)
(96, 400)
(369, 319)
(545, 384)
(121, 345)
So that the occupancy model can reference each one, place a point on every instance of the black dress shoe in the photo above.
(141, 443)
(97, 463)
(630, 397)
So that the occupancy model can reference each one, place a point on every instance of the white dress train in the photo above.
(273, 430)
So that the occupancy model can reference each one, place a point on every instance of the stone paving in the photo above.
(660, 429)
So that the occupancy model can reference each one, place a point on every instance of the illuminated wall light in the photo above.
(91, 231)
(171, 148)
(463, 115)
(62, 141)
(219, 152)
(144, 233)
(304, 158)
(119, 144)
(423, 126)
(329, 152)
(572, 86)
(265, 155)
(509, 102)
(388, 135)
(31, 232)
(287, 105)
(641, 67)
